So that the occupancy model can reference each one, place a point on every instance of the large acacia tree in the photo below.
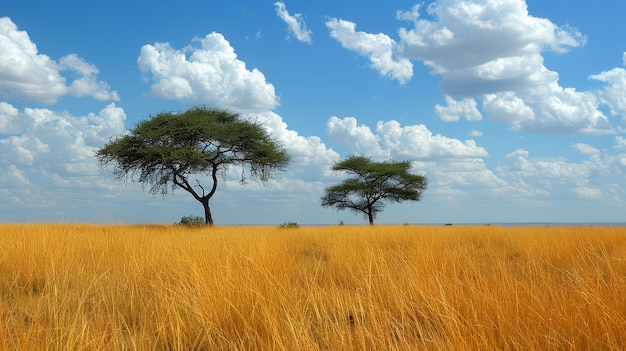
(166, 150)
(371, 184)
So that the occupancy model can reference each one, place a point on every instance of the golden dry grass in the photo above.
(88, 287)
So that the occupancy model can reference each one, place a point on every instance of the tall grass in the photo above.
(87, 287)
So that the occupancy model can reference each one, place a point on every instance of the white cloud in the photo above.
(586, 149)
(548, 109)
(411, 15)
(591, 178)
(10, 122)
(414, 142)
(379, 48)
(26, 74)
(456, 110)
(48, 164)
(624, 59)
(360, 139)
(58, 143)
(295, 23)
(613, 94)
(467, 34)
(498, 75)
(588, 192)
(620, 142)
(22, 150)
(14, 177)
(508, 108)
(492, 49)
(86, 84)
(522, 165)
(209, 74)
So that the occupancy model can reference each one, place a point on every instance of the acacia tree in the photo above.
(169, 148)
(371, 184)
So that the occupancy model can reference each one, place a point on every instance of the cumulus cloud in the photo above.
(492, 50)
(586, 149)
(15, 177)
(48, 171)
(295, 23)
(590, 178)
(48, 167)
(522, 164)
(57, 143)
(590, 193)
(456, 110)
(208, 74)
(419, 143)
(10, 122)
(378, 48)
(612, 93)
(86, 83)
(620, 142)
(498, 75)
(481, 37)
(25, 74)
(359, 138)
(548, 109)
(390, 139)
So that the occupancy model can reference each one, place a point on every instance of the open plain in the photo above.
(167, 287)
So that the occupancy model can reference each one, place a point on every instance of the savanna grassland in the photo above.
(114, 287)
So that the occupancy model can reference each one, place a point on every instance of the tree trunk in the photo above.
(370, 216)
(208, 218)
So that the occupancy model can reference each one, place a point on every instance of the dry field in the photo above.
(109, 287)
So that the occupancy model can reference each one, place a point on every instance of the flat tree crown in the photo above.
(371, 183)
(166, 149)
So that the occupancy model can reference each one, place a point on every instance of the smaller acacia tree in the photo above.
(371, 184)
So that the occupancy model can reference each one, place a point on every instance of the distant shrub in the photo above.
(289, 225)
(192, 221)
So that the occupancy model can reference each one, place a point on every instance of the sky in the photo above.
(515, 111)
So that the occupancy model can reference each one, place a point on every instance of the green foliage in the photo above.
(165, 150)
(371, 184)
(192, 221)
(289, 225)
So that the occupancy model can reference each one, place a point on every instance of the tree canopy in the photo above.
(167, 149)
(371, 184)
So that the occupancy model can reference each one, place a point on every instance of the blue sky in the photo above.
(514, 110)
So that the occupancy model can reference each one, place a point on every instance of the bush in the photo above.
(289, 225)
(192, 221)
